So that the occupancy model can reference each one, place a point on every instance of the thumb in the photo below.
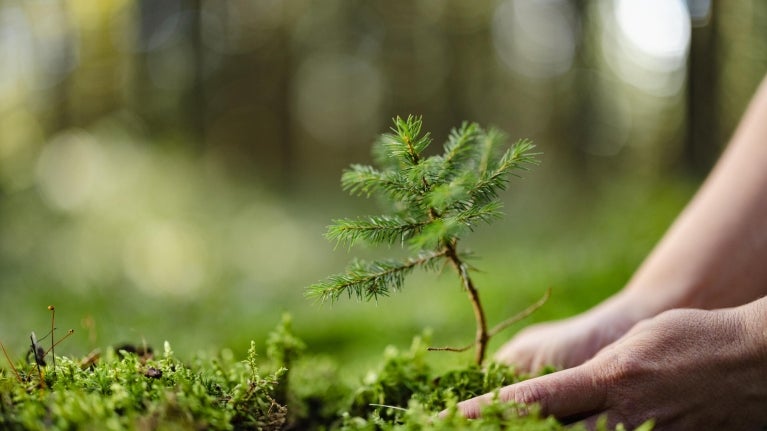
(568, 395)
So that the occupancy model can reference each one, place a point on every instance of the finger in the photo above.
(519, 354)
(572, 393)
(520, 359)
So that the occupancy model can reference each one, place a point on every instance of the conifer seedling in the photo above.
(435, 202)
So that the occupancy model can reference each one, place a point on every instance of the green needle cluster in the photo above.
(434, 202)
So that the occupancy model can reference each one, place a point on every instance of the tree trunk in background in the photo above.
(703, 141)
(194, 100)
(286, 177)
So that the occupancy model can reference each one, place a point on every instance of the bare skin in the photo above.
(698, 366)
(685, 368)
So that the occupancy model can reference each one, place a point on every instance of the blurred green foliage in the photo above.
(167, 168)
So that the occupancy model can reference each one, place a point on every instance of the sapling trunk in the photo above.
(435, 200)
(481, 337)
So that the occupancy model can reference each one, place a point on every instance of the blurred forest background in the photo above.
(167, 168)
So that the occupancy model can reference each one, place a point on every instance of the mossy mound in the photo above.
(286, 389)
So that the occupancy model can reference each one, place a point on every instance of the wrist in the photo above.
(655, 291)
(752, 319)
(623, 310)
(637, 304)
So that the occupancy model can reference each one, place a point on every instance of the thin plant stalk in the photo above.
(13, 367)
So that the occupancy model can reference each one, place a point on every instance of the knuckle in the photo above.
(527, 394)
(470, 410)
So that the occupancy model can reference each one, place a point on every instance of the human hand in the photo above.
(570, 342)
(686, 369)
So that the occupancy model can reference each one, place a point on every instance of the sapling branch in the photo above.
(451, 349)
(435, 200)
(368, 280)
(501, 326)
(532, 308)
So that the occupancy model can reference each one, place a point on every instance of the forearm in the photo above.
(715, 254)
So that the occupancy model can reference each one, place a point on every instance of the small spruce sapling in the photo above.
(436, 201)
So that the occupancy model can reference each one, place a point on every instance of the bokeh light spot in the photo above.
(659, 28)
(536, 39)
(646, 43)
(166, 258)
(267, 255)
(69, 170)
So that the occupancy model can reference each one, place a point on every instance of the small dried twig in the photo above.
(501, 326)
(7, 358)
(450, 349)
(69, 332)
(389, 407)
(522, 314)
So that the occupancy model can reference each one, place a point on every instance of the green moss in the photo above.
(125, 391)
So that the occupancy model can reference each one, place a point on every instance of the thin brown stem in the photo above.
(450, 349)
(501, 326)
(521, 315)
(53, 321)
(411, 149)
(7, 358)
(69, 332)
(482, 336)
